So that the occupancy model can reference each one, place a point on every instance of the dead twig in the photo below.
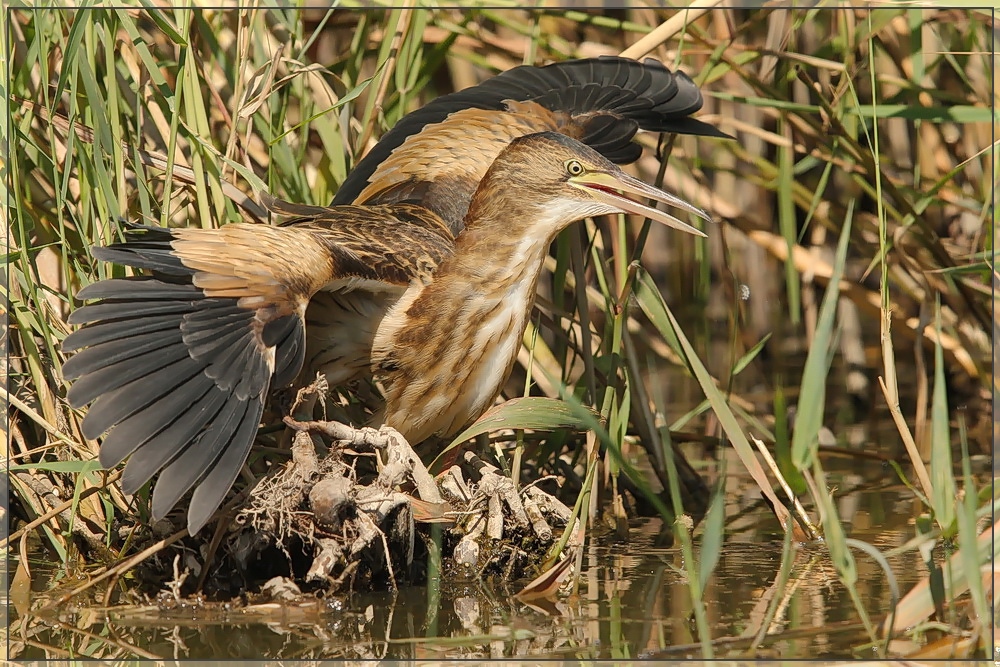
(386, 439)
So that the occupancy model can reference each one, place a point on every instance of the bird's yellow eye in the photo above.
(573, 167)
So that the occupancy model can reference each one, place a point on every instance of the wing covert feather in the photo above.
(438, 154)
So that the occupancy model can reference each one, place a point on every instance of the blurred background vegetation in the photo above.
(879, 121)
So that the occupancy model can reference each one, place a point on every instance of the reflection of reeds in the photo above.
(880, 117)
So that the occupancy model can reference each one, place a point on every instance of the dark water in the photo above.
(632, 601)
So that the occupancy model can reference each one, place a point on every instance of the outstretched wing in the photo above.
(438, 154)
(178, 364)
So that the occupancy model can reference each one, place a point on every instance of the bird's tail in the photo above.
(178, 364)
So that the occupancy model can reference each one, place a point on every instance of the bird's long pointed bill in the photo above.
(615, 190)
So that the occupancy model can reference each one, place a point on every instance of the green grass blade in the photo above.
(942, 493)
(714, 531)
(78, 467)
(809, 415)
(750, 355)
(787, 223)
(529, 412)
(721, 408)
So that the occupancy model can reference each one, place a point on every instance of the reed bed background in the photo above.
(854, 234)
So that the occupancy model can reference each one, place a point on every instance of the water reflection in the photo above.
(633, 600)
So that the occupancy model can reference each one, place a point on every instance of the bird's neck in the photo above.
(461, 332)
(502, 247)
(512, 229)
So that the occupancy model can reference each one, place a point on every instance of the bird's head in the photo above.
(541, 183)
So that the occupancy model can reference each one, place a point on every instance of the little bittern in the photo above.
(425, 282)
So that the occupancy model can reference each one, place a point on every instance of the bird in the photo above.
(438, 154)
(423, 280)
(444, 350)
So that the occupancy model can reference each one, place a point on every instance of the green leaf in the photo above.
(713, 537)
(593, 423)
(787, 223)
(651, 302)
(348, 97)
(767, 103)
(809, 413)
(531, 412)
(61, 466)
(163, 23)
(152, 68)
(750, 355)
(783, 443)
(942, 491)
(954, 114)
(671, 329)
(833, 534)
